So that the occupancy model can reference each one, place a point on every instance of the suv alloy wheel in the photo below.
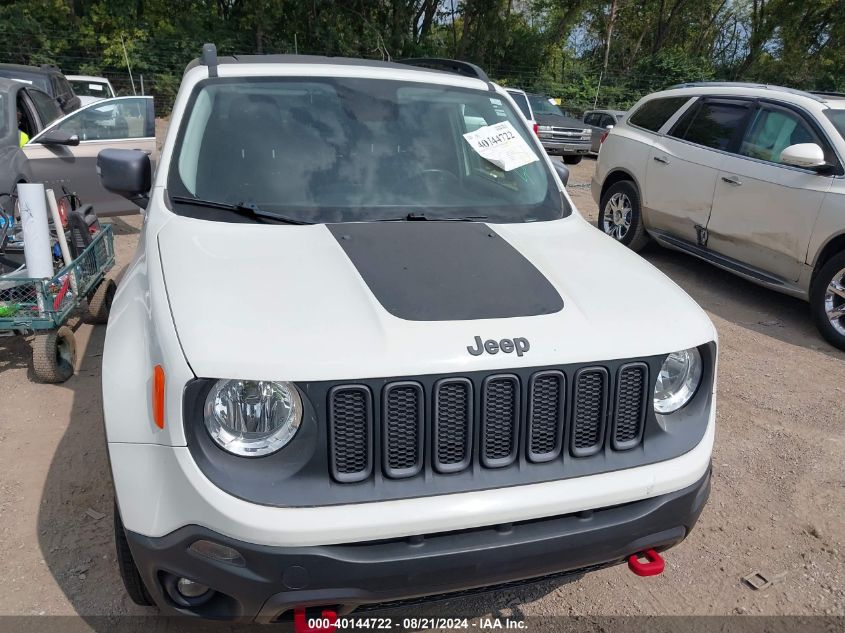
(620, 215)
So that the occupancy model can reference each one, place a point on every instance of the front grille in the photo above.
(452, 424)
(403, 429)
(485, 422)
(500, 421)
(589, 411)
(631, 394)
(351, 413)
(547, 400)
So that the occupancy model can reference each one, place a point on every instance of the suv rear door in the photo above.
(684, 164)
(764, 211)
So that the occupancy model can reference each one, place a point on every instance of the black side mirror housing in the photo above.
(562, 171)
(126, 172)
(59, 137)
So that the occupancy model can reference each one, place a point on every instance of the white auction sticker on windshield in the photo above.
(502, 145)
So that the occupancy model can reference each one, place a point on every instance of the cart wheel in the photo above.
(54, 355)
(99, 302)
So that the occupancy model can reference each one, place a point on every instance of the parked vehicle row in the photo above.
(744, 176)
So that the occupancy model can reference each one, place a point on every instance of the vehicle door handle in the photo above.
(662, 159)
(732, 180)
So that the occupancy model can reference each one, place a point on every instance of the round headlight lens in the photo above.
(677, 381)
(252, 418)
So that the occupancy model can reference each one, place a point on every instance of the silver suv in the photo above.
(747, 177)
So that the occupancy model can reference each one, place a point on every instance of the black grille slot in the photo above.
(545, 415)
(629, 417)
(500, 424)
(589, 411)
(452, 424)
(350, 426)
(402, 421)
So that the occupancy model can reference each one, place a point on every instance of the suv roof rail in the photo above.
(746, 84)
(824, 93)
(48, 67)
(455, 66)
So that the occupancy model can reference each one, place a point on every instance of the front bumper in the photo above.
(565, 148)
(274, 580)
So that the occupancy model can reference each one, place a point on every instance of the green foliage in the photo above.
(555, 46)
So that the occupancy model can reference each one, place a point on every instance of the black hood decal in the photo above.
(445, 271)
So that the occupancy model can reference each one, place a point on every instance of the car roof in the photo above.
(745, 89)
(46, 69)
(449, 66)
(86, 78)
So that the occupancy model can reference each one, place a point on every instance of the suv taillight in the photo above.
(603, 136)
(536, 129)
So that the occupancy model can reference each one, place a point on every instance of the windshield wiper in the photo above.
(246, 209)
(417, 217)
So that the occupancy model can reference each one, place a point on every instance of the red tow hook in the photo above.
(653, 566)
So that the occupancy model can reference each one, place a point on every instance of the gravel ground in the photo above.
(776, 504)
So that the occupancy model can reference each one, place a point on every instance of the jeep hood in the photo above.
(367, 300)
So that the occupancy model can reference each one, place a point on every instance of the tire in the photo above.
(572, 160)
(827, 294)
(132, 581)
(625, 227)
(54, 355)
(99, 302)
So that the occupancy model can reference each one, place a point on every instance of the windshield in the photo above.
(346, 150)
(522, 102)
(542, 105)
(91, 89)
(837, 117)
(33, 79)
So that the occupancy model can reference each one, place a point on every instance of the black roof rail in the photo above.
(746, 84)
(455, 66)
(824, 93)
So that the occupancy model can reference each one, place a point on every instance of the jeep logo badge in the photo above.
(519, 345)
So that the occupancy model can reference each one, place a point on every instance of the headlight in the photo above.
(677, 381)
(252, 418)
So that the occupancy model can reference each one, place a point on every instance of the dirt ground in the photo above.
(776, 505)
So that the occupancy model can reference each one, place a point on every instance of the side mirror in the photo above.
(59, 137)
(126, 172)
(562, 171)
(806, 155)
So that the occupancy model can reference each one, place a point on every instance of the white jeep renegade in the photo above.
(367, 352)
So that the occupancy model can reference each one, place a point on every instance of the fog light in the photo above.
(216, 551)
(190, 589)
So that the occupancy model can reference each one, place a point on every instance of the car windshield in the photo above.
(542, 105)
(837, 117)
(33, 79)
(346, 150)
(90, 89)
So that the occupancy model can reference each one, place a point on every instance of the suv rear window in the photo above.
(352, 149)
(714, 124)
(652, 115)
